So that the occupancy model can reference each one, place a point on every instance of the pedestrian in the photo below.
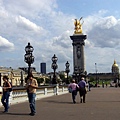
(89, 86)
(73, 86)
(6, 93)
(82, 90)
(106, 85)
(31, 86)
(103, 84)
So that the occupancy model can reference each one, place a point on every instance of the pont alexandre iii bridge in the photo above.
(55, 103)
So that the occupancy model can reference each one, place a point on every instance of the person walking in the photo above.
(73, 86)
(82, 90)
(31, 86)
(6, 93)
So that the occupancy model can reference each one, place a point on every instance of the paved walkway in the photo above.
(101, 104)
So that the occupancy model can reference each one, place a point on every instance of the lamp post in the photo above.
(76, 73)
(85, 75)
(54, 66)
(21, 78)
(67, 70)
(118, 80)
(28, 57)
(96, 72)
(81, 74)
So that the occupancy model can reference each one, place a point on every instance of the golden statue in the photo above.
(78, 26)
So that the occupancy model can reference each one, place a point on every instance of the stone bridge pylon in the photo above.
(78, 50)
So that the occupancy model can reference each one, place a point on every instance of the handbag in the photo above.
(70, 90)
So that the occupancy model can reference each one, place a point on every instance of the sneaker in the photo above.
(5, 111)
(81, 101)
(74, 102)
(32, 114)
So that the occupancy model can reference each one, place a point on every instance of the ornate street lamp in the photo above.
(85, 73)
(54, 66)
(76, 73)
(96, 73)
(67, 70)
(28, 57)
(21, 78)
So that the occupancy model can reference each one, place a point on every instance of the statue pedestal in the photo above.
(78, 53)
(78, 37)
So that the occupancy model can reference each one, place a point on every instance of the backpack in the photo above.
(70, 90)
(10, 89)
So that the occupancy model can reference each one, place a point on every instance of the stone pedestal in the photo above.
(78, 53)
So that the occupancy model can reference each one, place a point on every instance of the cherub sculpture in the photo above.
(78, 26)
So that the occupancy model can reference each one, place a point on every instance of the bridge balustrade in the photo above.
(19, 94)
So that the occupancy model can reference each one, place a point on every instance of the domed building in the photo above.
(115, 68)
(113, 75)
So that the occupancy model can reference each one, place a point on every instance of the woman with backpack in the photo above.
(73, 86)
(6, 93)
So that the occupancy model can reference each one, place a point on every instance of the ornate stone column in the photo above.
(78, 49)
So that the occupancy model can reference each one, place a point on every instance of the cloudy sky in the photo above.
(48, 25)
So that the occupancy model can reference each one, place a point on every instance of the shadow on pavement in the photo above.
(1, 113)
(61, 102)
(104, 101)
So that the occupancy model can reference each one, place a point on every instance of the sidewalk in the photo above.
(101, 104)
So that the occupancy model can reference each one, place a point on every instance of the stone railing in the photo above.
(19, 94)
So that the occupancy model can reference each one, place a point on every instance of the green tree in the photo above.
(62, 77)
(39, 80)
(47, 80)
(92, 79)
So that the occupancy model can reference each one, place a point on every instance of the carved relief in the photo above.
(78, 52)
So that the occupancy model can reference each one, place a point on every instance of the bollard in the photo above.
(45, 91)
(10, 98)
(57, 89)
(62, 89)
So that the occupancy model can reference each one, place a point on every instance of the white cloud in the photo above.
(29, 8)
(5, 45)
(104, 32)
(27, 24)
(63, 40)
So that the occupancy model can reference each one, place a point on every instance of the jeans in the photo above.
(5, 100)
(74, 93)
(31, 98)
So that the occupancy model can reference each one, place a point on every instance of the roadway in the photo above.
(101, 104)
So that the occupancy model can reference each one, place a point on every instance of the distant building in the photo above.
(17, 76)
(14, 76)
(115, 68)
(113, 75)
(26, 69)
(43, 68)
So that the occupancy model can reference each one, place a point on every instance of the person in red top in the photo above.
(73, 86)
